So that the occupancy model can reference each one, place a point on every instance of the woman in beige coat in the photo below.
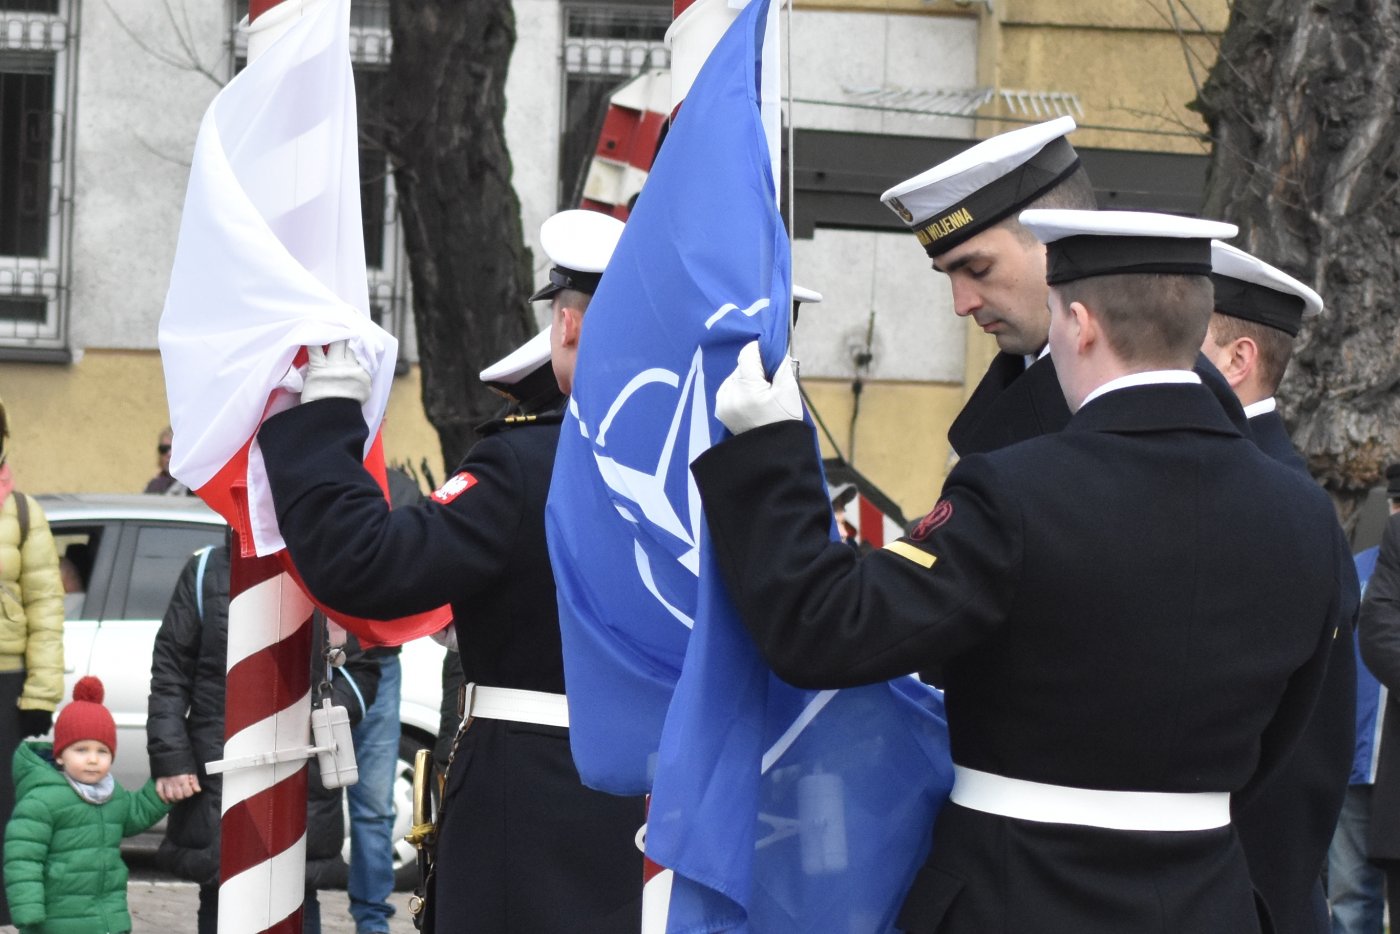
(31, 626)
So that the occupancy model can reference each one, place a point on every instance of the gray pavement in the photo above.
(162, 904)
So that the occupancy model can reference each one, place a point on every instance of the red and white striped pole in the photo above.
(267, 705)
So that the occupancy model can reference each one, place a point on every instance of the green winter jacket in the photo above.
(63, 867)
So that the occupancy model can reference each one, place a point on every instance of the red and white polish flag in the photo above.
(271, 259)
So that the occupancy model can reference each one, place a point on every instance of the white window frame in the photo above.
(47, 277)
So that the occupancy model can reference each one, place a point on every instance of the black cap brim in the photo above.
(548, 291)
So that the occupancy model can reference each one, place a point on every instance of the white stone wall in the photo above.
(533, 100)
(915, 334)
(137, 117)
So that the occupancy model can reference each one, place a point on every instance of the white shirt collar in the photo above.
(1031, 358)
(1262, 407)
(1145, 378)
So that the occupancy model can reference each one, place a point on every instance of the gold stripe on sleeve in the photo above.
(917, 555)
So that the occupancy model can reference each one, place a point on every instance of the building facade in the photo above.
(100, 104)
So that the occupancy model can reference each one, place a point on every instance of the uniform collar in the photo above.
(1262, 407)
(1032, 358)
(1157, 406)
(1145, 378)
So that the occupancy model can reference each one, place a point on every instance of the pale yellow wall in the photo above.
(1130, 66)
(92, 426)
(901, 434)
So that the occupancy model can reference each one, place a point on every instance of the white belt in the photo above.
(514, 704)
(1089, 807)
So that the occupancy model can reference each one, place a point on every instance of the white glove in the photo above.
(746, 399)
(334, 373)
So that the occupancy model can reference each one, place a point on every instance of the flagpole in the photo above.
(262, 851)
(696, 26)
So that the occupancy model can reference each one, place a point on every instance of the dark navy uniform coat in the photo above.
(1013, 402)
(1097, 625)
(524, 847)
(1287, 829)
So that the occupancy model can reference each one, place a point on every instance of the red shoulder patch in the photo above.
(942, 511)
(456, 485)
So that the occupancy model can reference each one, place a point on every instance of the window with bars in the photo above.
(36, 82)
(371, 46)
(605, 46)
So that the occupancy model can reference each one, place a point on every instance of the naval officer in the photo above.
(1287, 829)
(964, 213)
(523, 846)
(1118, 664)
(1258, 313)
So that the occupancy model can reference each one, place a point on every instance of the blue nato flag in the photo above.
(779, 810)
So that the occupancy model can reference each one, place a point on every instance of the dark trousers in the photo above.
(11, 686)
(517, 822)
(208, 920)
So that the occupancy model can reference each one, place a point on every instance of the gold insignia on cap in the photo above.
(942, 226)
(901, 210)
(905, 550)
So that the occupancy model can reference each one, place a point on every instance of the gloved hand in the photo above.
(746, 399)
(334, 373)
(35, 722)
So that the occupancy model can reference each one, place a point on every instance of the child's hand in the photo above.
(172, 788)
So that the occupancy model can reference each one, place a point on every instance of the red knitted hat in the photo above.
(84, 717)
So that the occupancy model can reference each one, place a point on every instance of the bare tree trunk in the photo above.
(1301, 106)
(461, 216)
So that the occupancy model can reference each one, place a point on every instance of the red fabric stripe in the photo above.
(872, 523)
(268, 681)
(268, 823)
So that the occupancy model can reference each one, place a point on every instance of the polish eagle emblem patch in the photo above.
(456, 485)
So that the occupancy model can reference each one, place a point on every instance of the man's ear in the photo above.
(1084, 325)
(1242, 361)
(571, 324)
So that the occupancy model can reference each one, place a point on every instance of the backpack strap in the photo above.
(22, 512)
(199, 579)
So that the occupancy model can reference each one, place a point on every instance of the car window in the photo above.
(161, 553)
(77, 546)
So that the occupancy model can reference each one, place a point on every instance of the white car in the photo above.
(129, 550)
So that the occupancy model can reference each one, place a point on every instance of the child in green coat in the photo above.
(63, 867)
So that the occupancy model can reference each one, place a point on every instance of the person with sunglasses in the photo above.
(163, 482)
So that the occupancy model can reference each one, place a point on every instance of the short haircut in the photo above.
(1157, 319)
(1275, 346)
(573, 298)
(1075, 193)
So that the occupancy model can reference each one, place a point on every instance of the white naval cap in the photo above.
(520, 362)
(800, 293)
(1249, 288)
(1081, 244)
(579, 243)
(981, 186)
